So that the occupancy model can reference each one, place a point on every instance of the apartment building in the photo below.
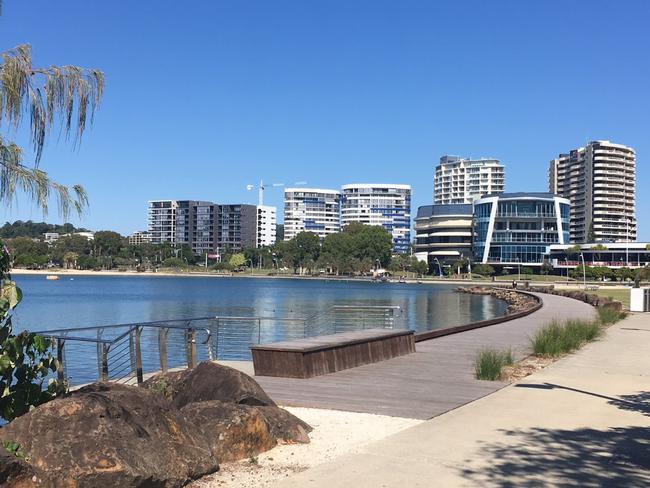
(458, 180)
(518, 228)
(600, 181)
(267, 219)
(139, 237)
(443, 234)
(162, 221)
(314, 210)
(207, 227)
(387, 205)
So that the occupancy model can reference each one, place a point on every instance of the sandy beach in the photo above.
(335, 433)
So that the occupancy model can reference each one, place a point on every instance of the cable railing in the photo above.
(126, 353)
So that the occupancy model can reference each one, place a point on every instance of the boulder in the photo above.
(15, 472)
(210, 381)
(166, 435)
(107, 434)
(230, 430)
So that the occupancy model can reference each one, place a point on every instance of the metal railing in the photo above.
(127, 352)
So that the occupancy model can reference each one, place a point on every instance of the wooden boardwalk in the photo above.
(437, 378)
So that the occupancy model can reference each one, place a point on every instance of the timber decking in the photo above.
(315, 356)
(437, 378)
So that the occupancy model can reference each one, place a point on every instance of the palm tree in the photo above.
(65, 96)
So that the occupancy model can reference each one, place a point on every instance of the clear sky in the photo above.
(205, 97)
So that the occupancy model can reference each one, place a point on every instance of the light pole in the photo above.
(439, 266)
(584, 271)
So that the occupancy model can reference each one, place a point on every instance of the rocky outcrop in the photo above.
(517, 302)
(176, 430)
(210, 381)
(108, 434)
(590, 298)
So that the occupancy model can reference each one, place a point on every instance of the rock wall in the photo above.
(517, 302)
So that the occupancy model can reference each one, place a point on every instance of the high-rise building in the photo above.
(516, 229)
(207, 227)
(600, 181)
(459, 180)
(312, 210)
(443, 234)
(266, 225)
(387, 205)
(162, 221)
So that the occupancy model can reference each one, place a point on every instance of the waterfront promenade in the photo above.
(582, 421)
(437, 378)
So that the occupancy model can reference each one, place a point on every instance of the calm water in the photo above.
(91, 301)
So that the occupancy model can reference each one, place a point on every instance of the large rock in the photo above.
(166, 435)
(111, 435)
(210, 381)
(231, 431)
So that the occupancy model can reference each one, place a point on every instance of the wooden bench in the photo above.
(315, 356)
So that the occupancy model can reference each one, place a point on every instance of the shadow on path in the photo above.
(583, 457)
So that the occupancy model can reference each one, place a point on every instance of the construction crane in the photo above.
(261, 187)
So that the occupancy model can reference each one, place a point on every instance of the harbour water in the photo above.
(83, 301)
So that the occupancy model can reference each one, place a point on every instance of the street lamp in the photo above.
(439, 266)
(584, 271)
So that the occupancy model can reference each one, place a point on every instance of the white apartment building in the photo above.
(140, 237)
(314, 210)
(459, 180)
(267, 218)
(387, 205)
(600, 181)
(162, 220)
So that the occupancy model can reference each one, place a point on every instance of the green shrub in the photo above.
(558, 338)
(608, 315)
(490, 362)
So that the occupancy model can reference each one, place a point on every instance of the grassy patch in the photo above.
(620, 294)
(490, 362)
(608, 316)
(559, 338)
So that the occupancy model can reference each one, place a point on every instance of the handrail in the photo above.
(120, 358)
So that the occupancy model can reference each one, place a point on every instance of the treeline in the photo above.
(35, 229)
(108, 250)
(357, 248)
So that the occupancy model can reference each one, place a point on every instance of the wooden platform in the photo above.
(316, 356)
(437, 378)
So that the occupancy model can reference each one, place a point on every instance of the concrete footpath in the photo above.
(583, 421)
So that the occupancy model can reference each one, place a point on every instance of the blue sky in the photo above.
(205, 97)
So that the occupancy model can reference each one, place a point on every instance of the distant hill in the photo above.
(35, 229)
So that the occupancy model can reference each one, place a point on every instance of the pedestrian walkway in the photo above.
(583, 421)
(437, 378)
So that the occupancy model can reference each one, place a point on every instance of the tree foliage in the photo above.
(66, 96)
(25, 360)
(35, 230)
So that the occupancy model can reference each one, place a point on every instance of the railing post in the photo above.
(162, 348)
(138, 355)
(191, 348)
(216, 345)
(259, 330)
(60, 369)
(104, 373)
(132, 351)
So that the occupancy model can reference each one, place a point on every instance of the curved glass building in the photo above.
(518, 228)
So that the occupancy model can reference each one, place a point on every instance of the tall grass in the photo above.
(559, 338)
(608, 315)
(489, 363)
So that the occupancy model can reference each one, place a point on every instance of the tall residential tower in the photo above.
(600, 181)
(459, 180)
(388, 205)
(312, 210)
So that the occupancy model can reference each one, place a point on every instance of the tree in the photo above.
(546, 268)
(483, 269)
(107, 242)
(65, 94)
(237, 260)
(48, 96)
